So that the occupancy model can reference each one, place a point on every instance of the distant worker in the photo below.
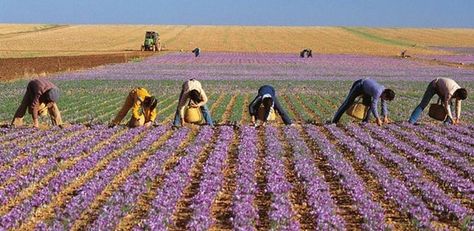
(306, 53)
(404, 55)
(192, 95)
(143, 107)
(371, 92)
(447, 90)
(40, 99)
(197, 51)
(267, 100)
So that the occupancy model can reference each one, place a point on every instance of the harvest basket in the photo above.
(193, 115)
(357, 110)
(261, 114)
(437, 112)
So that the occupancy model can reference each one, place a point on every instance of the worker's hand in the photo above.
(35, 123)
(379, 122)
(193, 105)
(456, 121)
(253, 120)
(386, 120)
(182, 122)
(148, 124)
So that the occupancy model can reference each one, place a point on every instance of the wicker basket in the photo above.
(437, 112)
(357, 110)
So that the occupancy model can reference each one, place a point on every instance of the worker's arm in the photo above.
(447, 108)
(137, 108)
(204, 99)
(458, 111)
(35, 108)
(373, 107)
(253, 106)
(384, 111)
(182, 104)
(153, 115)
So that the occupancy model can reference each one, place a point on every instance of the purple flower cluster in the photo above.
(243, 207)
(444, 154)
(53, 156)
(164, 204)
(48, 190)
(43, 147)
(430, 191)
(211, 182)
(445, 174)
(248, 66)
(372, 212)
(318, 195)
(64, 217)
(9, 144)
(394, 189)
(123, 200)
(282, 216)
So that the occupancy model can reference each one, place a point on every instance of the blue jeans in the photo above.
(429, 93)
(356, 90)
(205, 112)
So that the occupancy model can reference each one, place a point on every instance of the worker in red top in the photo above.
(40, 99)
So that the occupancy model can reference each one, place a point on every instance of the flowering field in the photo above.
(234, 176)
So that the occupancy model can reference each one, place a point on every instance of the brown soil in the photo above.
(14, 68)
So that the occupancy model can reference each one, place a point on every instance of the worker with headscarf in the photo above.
(192, 95)
(267, 99)
(143, 106)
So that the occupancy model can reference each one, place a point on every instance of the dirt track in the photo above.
(13, 68)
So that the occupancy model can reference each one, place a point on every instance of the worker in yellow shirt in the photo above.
(143, 107)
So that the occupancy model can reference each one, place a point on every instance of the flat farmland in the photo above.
(234, 176)
(55, 40)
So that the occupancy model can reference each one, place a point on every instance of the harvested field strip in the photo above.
(229, 109)
(373, 37)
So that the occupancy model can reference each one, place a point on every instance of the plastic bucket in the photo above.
(261, 114)
(193, 115)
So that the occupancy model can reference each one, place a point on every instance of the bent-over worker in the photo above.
(41, 96)
(371, 92)
(447, 90)
(143, 107)
(192, 95)
(267, 97)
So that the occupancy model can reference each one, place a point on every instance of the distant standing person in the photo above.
(371, 92)
(143, 106)
(192, 95)
(40, 98)
(310, 53)
(197, 51)
(447, 89)
(266, 96)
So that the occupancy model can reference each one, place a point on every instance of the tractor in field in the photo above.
(152, 42)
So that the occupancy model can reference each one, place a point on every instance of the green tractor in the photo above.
(152, 42)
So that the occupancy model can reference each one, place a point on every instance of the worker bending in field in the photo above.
(40, 99)
(192, 95)
(196, 51)
(447, 90)
(143, 107)
(371, 92)
(266, 98)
